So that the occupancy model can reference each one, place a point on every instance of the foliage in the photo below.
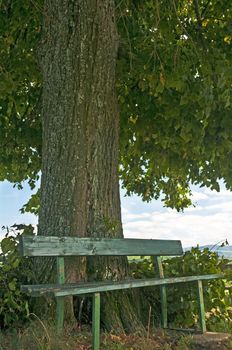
(184, 304)
(20, 81)
(14, 271)
(174, 89)
(32, 206)
(182, 299)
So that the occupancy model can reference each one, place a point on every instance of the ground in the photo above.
(40, 336)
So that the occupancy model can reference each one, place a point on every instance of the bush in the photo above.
(14, 271)
(182, 298)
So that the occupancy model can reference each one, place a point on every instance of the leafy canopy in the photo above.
(174, 80)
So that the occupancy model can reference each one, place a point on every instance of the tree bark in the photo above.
(80, 121)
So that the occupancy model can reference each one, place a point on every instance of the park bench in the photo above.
(61, 247)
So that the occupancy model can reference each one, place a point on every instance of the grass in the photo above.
(41, 336)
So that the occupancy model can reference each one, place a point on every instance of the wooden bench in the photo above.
(60, 247)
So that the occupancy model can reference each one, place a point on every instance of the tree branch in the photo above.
(205, 8)
(198, 14)
(199, 22)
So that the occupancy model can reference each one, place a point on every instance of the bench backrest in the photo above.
(68, 246)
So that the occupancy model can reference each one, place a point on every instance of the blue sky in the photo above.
(208, 223)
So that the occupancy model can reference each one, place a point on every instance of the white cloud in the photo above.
(129, 216)
(196, 196)
(207, 223)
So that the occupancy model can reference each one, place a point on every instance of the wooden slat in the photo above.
(85, 288)
(62, 246)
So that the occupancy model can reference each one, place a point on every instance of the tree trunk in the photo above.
(80, 120)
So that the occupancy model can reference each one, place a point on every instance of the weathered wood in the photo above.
(163, 293)
(60, 300)
(201, 306)
(96, 321)
(94, 287)
(71, 246)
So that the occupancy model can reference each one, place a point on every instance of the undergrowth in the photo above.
(41, 336)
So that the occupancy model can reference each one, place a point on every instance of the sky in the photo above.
(209, 222)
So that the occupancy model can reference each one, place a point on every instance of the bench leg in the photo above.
(60, 300)
(96, 321)
(59, 314)
(201, 306)
(163, 293)
(164, 310)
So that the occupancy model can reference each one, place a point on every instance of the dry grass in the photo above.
(40, 336)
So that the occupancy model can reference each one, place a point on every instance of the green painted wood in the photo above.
(96, 321)
(60, 270)
(163, 293)
(89, 287)
(60, 300)
(201, 306)
(62, 246)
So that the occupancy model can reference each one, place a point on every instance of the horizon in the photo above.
(208, 223)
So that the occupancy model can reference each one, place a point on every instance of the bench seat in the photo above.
(105, 286)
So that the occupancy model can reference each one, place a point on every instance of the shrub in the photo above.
(182, 298)
(14, 271)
